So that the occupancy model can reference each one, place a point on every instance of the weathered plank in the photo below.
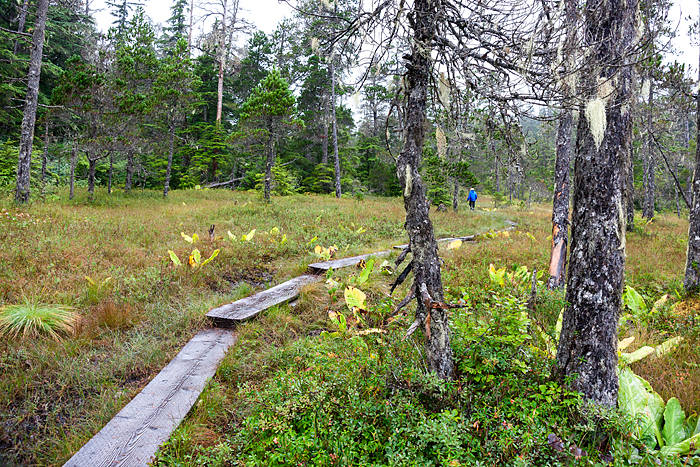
(468, 238)
(344, 262)
(251, 306)
(133, 436)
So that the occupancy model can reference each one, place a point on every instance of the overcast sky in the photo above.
(266, 14)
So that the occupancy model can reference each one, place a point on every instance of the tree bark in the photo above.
(425, 261)
(45, 158)
(649, 165)
(20, 27)
(171, 147)
(629, 192)
(92, 165)
(128, 180)
(222, 60)
(587, 352)
(324, 143)
(111, 174)
(560, 208)
(268, 166)
(73, 162)
(691, 282)
(336, 157)
(30, 105)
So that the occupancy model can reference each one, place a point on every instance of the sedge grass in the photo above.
(32, 320)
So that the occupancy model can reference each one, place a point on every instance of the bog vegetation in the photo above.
(307, 382)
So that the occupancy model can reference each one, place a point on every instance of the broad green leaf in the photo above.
(634, 301)
(530, 236)
(683, 447)
(312, 240)
(187, 238)
(231, 236)
(497, 276)
(195, 238)
(674, 418)
(174, 258)
(197, 256)
(638, 400)
(667, 346)
(284, 239)
(213, 255)
(275, 231)
(366, 271)
(454, 244)
(355, 298)
(638, 354)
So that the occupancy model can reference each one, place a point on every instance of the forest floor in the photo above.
(110, 261)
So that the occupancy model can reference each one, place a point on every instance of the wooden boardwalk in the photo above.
(248, 307)
(134, 435)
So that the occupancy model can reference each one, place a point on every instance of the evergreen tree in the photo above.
(266, 115)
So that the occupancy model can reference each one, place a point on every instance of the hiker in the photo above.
(472, 198)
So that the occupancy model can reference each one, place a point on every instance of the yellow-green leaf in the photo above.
(454, 245)
(355, 298)
(213, 255)
(187, 238)
(174, 258)
(231, 236)
(197, 256)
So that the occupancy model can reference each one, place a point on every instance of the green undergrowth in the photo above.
(109, 261)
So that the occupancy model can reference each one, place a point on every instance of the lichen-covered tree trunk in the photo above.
(430, 312)
(560, 207)
(587, 352)
(691, 282)
(31, 102)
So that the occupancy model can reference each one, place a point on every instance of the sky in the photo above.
(266, 14)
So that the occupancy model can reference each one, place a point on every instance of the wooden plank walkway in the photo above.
(344, 262)
(134, 435)
(248, 307)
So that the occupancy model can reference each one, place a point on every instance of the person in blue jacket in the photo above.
(472, 198)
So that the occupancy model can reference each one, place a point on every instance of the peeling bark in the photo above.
(560, 207)
(587, 352)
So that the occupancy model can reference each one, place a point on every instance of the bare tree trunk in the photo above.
(73, 162)
(222, 64)
(691, 281)
(30, 105)
(92, 165)
(629, 192)
(560, 208)
(324, 143)
(128, 181)
(649, 166)
(336, 157)
(20, 27)
(430, 311)
(45, 158)
(268, 166)
(587, 352)
(170, 159)
(189, 37)
(111, 174)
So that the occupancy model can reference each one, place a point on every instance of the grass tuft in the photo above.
(31, 320)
